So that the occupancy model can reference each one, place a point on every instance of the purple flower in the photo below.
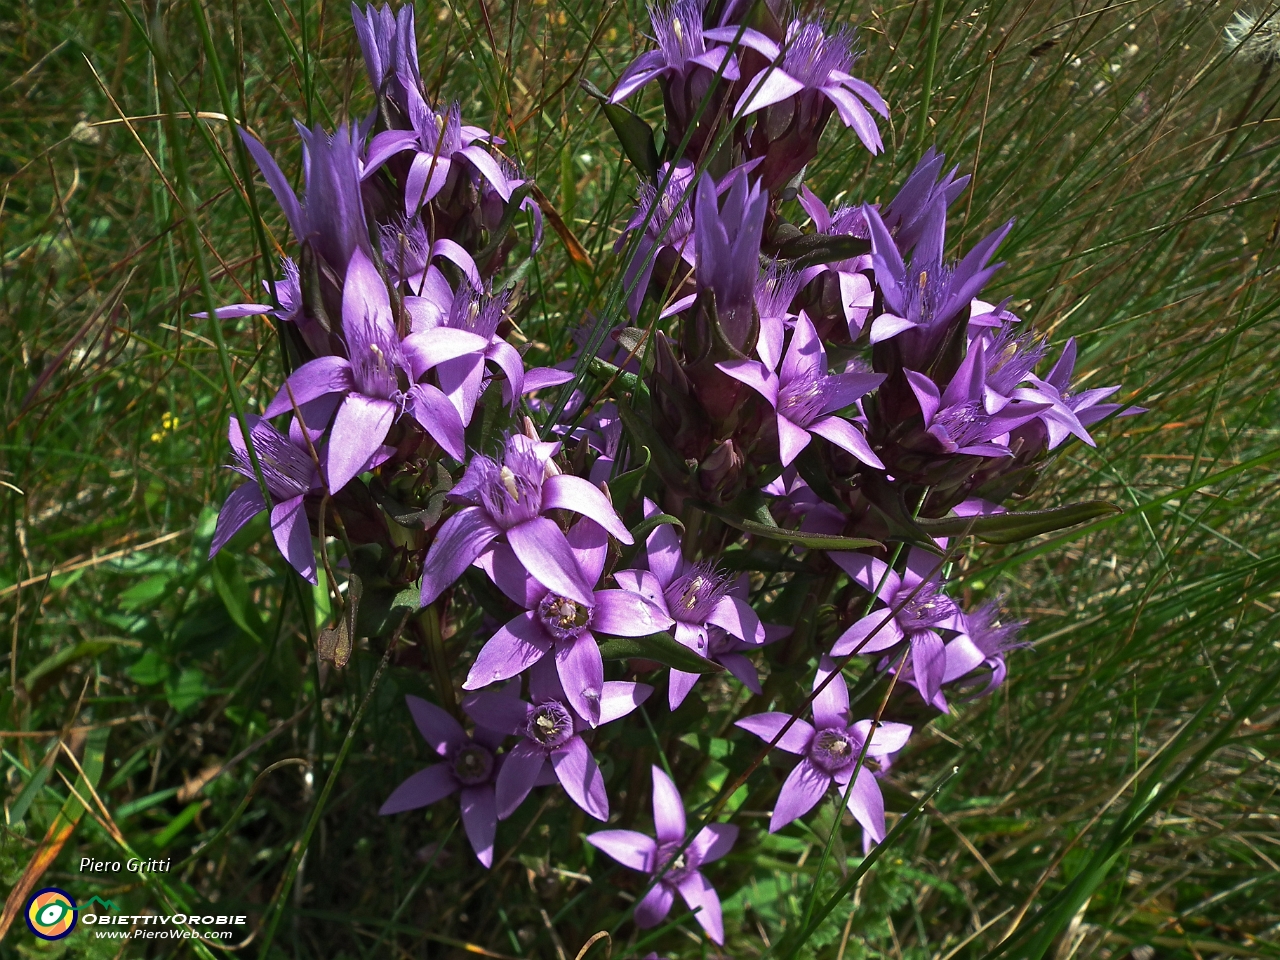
(982, 643)
(461, 375)
(1068, 413)
(550, 733)
(640, 852)
(365, 387)
(290, 474)
(331, 216)
(856, 296)
(390, 50)
(968, 417)
(510, 498)
(815, 68)
(666, 222)
(410, 256)
(727, 247)
(470, 768)
(905, 216)
(559, 624)
(914, 610)
(684, 58)
(694, 595)
(830, 748)
(440, 141)
(805, 397)
(920, 302)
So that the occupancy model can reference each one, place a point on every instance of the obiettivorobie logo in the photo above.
(51, 913)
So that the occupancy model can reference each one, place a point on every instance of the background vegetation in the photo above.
(1118, 796)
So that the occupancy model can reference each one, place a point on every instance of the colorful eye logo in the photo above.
(51, 913)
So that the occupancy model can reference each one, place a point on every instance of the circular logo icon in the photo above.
(51, 913)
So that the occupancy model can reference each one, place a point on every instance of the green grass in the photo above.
(1119, 790)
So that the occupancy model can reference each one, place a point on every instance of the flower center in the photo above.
(963, 423)
(801, 400)
(679, 865)
(926, 609)
(563, 618)
(692, 597)
(551, 724)
(472, 765)
(832, 750)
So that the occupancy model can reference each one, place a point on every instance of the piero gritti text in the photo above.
(132, 865)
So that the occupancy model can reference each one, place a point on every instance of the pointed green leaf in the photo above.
(1012, 527)
(661, 647)
(816, 541)
(635, 135)
(811, 249)
(625, 486)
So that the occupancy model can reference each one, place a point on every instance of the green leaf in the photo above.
(189, 689)
(635, 135)
(234, 591)
(56, 661)
(817, 541)
(150, 668)
(1012, 527)
(649, 524)
(625, 486)
(811, 249)
(661, 647)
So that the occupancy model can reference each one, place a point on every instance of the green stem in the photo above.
(930, 63)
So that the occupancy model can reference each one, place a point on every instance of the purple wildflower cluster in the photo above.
(802, 414)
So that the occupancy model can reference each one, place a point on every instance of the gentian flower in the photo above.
(290, 474)
(830, 748)
(510, 498)
(440, 141)
(694, 595)
(914, 609)
(550, 732)
(331, 216)
(968, 417)
(805, 397)
(905, 216)
(855, 294)
(922, 301)
(553, 623)
(470, 768)
(1068, 413)
(812, 78)
(366, 386)
(410, 256)
(727, 249)
(390, 49)
(683, 874)
(666, 222)
(982, 643)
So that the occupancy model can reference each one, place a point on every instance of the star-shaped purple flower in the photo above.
(683, 874)
(968, 417)
(805, 397)
(694, 595)
(913, 609)
(470, 768)
(550, 732)
(830, 748)
(510, 498)
(290, 474)
(365, 386)
(561, 625)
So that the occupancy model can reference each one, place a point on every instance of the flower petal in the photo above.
(463, 537)
(772, 86)
(876, 631)
(519, 775)
(655, 906)
(581, 670)
(792, 439)
(831, 704)
(848, 438)
(384, 146)
(498, 710)
(755, 375)
(313, 379)
(422, 789)
(567, 492)
(766, 727)
(736, 617)
(541, 546)
(622, 613)
(800, 793)
(438, 416)
(866, 803)
(590, 545)
(514, 648)
(276, 180)
(480, 820)
(712, 842)
(668, 808)
(433, 347)
(631, 849)
(293, 536)
(489, 169)
(702, 897)
(441, 731)
(580, 776)
(242, 505)
(679, 684)
(619, 697)
(889, 737)
(358, 431)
